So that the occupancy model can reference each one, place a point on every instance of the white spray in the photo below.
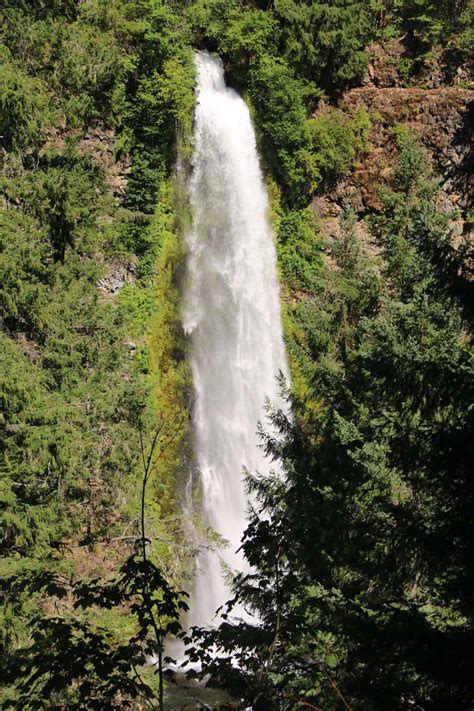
(232, 314)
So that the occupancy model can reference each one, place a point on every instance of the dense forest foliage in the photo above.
(362, 555)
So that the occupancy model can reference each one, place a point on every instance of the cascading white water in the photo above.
(232, 314)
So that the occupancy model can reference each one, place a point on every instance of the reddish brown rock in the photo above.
(442, 118)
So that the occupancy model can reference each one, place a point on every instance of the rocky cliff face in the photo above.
(442, 116)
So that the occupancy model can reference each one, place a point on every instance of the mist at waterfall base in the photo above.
(232, 316)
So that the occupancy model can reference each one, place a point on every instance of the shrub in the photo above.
(337, 140)
(24, 106)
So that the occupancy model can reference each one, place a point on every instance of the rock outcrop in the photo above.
(442, 118)
(118, 274)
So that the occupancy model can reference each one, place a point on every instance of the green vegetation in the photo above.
(84, 86)
(337, 140)
(362, 560)
(430, 21)
(77, 663)
(325, 41)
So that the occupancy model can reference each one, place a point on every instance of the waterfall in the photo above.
(232, 315)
